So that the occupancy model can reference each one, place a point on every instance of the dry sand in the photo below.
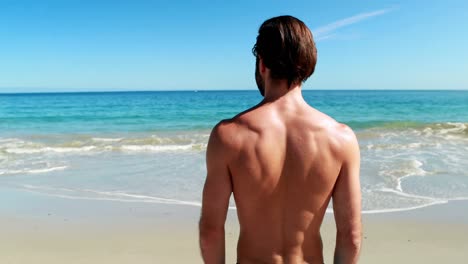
(41, 229)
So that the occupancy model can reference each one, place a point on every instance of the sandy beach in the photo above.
(42, 229)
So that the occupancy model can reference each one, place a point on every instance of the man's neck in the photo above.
(282, 93)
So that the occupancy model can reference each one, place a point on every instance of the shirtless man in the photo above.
(283, 161)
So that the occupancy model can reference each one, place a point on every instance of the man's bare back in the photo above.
(283, 161)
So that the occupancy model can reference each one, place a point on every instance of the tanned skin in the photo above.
(283, 160)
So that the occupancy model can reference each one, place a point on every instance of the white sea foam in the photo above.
(98, 145)
(401, 193)
(107, 139)
(33, 171)
(118, 196)
(403, 171)
(455, 128)
(97, 149)
(156, 148)
(9, 140)
(428, 201)
(132, 198)
(459, 199)
(29, 150)
(414, 145)
(416, 170)
(434, 132)
(392, 210)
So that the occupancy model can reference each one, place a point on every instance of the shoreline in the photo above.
(197, 204)
(44, 229)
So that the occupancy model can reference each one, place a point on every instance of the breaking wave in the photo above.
(98, 145)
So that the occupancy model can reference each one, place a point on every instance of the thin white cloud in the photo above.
(326, 32)
(329, 36)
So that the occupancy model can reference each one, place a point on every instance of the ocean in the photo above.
(149, 147)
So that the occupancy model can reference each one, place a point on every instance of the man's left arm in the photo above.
(216, 194)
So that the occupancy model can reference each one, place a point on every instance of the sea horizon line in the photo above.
(221, 90)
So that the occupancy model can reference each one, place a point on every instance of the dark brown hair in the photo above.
(287, 48)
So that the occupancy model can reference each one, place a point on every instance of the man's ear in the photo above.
(261, 66)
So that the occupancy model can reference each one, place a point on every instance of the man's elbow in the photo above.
(351, 240)
(210, 235)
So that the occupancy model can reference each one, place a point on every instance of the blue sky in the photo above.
(178, 45)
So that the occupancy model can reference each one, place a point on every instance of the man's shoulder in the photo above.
(342, 138)
(343, 132)
(231, 133)
(332, 126)
(225, 133)
(340, 135)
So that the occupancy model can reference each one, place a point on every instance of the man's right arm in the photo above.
(347, 203)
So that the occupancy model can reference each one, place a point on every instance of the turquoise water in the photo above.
(149, 146)
(156, 111)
